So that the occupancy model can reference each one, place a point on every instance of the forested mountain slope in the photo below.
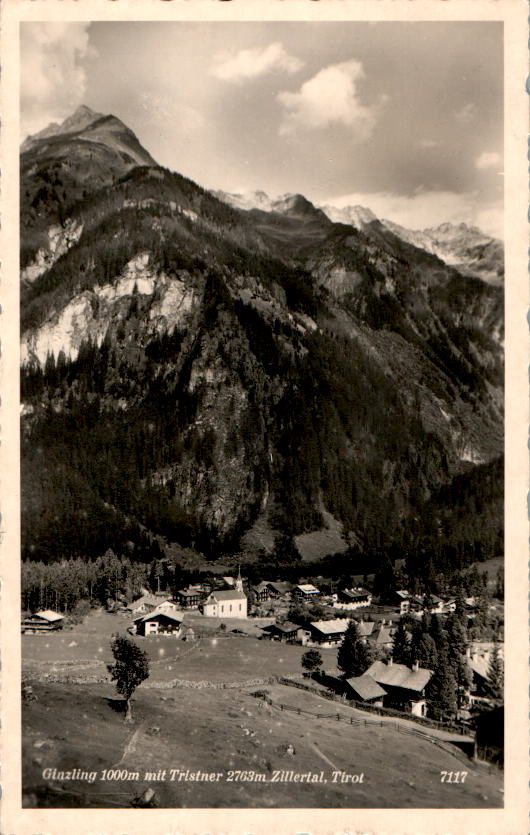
(191, 369)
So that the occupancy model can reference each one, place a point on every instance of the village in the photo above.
(389, 673)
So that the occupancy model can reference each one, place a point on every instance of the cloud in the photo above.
(466, 114)
(425, 208)
(488, 159)
(248, 64)
(53, 79)
(329, 98)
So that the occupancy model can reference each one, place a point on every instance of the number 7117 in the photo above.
(453, 776)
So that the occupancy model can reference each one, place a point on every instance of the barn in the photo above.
(44, 621)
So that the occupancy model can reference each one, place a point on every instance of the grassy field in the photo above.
(219, 731)
(80, 725)
(215, 656)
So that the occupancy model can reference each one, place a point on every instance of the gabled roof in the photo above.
(261, 586)
(381, 635)
(145, 599)
(48, 614)
(366, 687)
(365, 628)
(330, 627)
(399, 675)
(157, 614)
(189, 592)
(307, 587)
(480, 666)
(229, 594)
(356, 593)
(280, 586)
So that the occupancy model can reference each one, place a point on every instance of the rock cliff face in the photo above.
(205, 373)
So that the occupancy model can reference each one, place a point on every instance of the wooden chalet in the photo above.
(279, 588)
(404, 686)
(353, 598)
(191, 597)
(145, 603)
(364, 689)
(328, 633)
(305, 591)
(262, 592)
(44, 621)
(286, 633)
(158, 623)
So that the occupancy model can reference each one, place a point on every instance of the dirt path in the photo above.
(130, 745)
(322, 756)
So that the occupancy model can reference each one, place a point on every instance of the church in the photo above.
(231, 603)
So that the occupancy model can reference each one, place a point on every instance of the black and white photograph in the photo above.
(262, 304)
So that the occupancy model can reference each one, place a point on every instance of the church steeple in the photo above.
(239, 581)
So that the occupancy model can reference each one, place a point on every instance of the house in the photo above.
(353, 598)
(287, 633)
(145, 603)
(405, 686)
(167, 605)
(262, 592)
(225, 604)
(402, 599)
(328, 633)
(305, 591)
(158, 623)
(279, 589)
(364, 689)
(365, 628)
(478, 657)
(44, 621)
(381, 636)
(191, 597)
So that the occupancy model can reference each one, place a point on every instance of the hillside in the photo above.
(192, 370)
(257, 746)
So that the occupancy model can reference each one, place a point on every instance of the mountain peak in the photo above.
(357, 216)
(79, 120)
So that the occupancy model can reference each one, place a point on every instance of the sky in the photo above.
(403, 118)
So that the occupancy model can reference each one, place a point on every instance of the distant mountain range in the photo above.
(236, 377)
(459, 245)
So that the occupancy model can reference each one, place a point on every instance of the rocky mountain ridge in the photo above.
(465, 247)
(200, 372)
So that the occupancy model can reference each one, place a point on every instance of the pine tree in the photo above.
(495, 684)
(456, 652)
(353, 656)
(441, 690)
(423, 652)
(400, 645)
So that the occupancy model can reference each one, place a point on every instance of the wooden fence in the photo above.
(380, 711)
(468, 746)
